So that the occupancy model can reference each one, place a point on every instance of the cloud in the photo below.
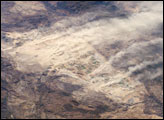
(132, 30)
(135, 30)
(147, 19)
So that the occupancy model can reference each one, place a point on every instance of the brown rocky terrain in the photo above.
(81, 60)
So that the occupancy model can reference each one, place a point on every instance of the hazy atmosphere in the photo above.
(83, 59)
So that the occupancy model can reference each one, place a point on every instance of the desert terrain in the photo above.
(79, 60)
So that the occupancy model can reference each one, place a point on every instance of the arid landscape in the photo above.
(81, 60)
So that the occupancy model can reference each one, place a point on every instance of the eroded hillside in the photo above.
(81, 59)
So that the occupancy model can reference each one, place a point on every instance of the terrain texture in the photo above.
(81, 59)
